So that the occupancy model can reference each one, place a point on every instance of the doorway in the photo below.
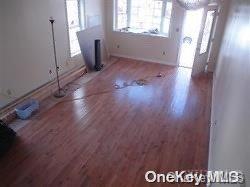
(190, 34)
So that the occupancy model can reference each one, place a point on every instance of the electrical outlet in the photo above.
(212, 124)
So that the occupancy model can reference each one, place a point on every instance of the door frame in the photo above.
(205, 55)
(181, 38)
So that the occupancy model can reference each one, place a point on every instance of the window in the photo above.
(122, 18)
(75, 23)
(152, 16)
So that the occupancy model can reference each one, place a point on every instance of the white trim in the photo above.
(129, 7)
(144, 59)
(115, 14)
(163, 15)
(141, 34)
(82, 14)
(44, 91)
(67, 28)
(212, 127)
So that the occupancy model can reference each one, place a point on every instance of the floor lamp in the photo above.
(60, 92)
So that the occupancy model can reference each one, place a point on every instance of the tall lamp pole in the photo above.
(60, 92)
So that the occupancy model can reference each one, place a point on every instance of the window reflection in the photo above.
(181, 90)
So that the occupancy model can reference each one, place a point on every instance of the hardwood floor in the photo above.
(112, 138)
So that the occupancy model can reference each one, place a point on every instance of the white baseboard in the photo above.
(42, 92)
(212, 128)
(144, 59)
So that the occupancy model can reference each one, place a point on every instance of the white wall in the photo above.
(145, 47)
(28, 46)
(94, 8)
(230, 137)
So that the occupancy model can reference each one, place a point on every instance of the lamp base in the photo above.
(59, 93)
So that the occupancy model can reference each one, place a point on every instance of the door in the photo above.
(190, 34)
(204, 40)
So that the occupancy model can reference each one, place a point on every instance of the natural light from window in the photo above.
(147, 16)
(74, 13)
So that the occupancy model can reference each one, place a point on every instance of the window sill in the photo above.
(77, 55)
(74, 59)
(141, 32)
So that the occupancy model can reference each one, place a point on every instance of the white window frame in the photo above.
(82, 23)
(163, 15)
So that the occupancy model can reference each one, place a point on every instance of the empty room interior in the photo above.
(122, 93)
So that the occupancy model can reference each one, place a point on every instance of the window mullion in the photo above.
(129, 6)
(163, 14)
(79, 13)
(82, 13)
(116, 13)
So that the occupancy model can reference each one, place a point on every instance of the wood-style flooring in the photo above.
(113, 137)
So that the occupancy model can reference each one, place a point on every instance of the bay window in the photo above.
(143, 16)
